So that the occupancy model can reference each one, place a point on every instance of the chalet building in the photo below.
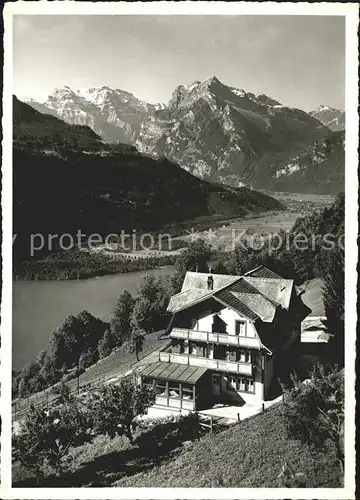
(226, 334)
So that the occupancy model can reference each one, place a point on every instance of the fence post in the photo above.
(263, 407)
(238, 417)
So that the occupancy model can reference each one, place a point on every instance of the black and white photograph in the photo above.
(176, 181)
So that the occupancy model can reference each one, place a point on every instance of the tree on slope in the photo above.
(115, 408)
(121, 317)
(46, 436)
(106, 344)
(136, 343)
(149, 312)
(314, 412)
(334, 295)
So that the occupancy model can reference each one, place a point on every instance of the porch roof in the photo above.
(172, 371)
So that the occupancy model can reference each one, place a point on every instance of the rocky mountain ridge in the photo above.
(114, 114)
(225, 134)
(332, 118)
(217, 132)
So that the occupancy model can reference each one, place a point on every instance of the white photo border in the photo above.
(350, 11)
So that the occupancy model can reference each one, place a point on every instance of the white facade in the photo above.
(205, 323)
(238, 331)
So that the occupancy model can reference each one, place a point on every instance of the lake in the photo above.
(40, 306)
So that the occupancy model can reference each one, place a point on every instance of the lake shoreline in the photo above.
(75, 266)
(40, 306)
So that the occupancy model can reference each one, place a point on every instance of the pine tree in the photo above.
(121, 317)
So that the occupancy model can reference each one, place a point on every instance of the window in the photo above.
(147, 381)
(176, 348)
(174, 390)
(243, 356)
(232, 354)
(201, 350)
(240, 328)
(160, 387)
(244, 384)
(192, 348)
(216, 379)
(231, 382)
(187, 391)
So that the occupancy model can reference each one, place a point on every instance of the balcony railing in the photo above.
(217, 338)
(213, 364)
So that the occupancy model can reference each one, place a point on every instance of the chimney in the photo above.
(210, 282)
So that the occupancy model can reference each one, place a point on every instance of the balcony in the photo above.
(213, 364)
(216, 338)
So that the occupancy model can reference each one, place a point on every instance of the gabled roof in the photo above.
(194, 289)
(252, 296)
(199, 280)
(277, 289)
(229, 299)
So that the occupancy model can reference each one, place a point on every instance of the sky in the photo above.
(297, 60)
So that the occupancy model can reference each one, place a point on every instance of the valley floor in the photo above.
(223, 234)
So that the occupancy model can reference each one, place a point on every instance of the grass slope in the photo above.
(250, 454)
(115, 365)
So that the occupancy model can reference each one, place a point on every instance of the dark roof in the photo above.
(258, 304)
(172, 371)
(262, 272)
(229, 299)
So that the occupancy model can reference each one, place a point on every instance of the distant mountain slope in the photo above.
(36, 130)
(315, 168)
(63, 189)
(220, 133)
(332, 118)
(114, 114)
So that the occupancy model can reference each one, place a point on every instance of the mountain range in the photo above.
(218, 133)
(66, 178)
(332, 118)
(114, 114)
